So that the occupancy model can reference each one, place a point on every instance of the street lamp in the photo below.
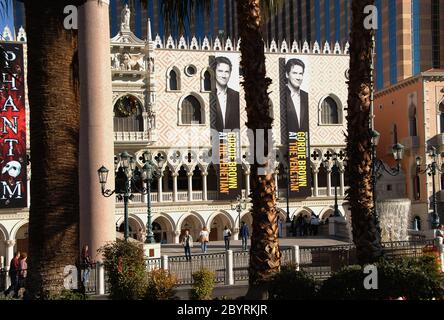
(239, 206)
(336, 178)
(127, 176)
(150, 171)
(123, 184)
(431, 169)
(378, 166)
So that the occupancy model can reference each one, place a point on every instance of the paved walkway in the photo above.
(236, 245)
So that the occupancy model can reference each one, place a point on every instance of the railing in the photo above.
(132, 136)
(184, 269)
(211, 195)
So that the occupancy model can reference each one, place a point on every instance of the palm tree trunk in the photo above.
(366, 235)
(265, 256)
(54, 131)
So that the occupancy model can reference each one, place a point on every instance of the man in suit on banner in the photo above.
(225, 112)
(296, 99)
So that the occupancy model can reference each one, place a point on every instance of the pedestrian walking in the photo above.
(86, 266)
(14, 267)
(187, 242)
(23, 272)
(227, 237)
(244, 233)
(204, 239)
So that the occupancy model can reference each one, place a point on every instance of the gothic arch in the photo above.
(225, 214)
(16, 227)
(201, 101)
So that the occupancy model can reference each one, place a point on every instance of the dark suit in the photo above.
(232, 113)
(292, 123)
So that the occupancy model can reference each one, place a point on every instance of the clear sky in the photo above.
(6, 17)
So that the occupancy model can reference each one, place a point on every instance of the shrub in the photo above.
(290, 284)
(203, 285)
(125, 265)
(160, 285)
(408, 278)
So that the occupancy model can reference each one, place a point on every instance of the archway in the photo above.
(3, 238)
(163, 230)
(134, 227)
(217, 225)
(324, 222)
(193, 224)
(21, 237)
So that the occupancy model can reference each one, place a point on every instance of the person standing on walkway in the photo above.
(227, 237)
(86, 266)
(23, 272)
(204, 238)
(14, 267)
(244, 235)
(187, 242)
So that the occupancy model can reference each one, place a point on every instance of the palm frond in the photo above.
(179, 13)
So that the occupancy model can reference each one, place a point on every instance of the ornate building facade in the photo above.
(161, 103)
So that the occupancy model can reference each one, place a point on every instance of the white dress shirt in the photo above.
(296, 98)
(222, 97)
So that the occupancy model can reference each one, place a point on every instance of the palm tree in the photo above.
(366, 234)
(265, 256)
(54, 131)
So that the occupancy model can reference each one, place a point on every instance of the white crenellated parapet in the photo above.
(316, 47)
(228, 45)
(194, 44)
(306, 47)
(284, 47)
(128, 37)
(21, 36)
(7, 34)
(337, 48)
(182, 43)
(326, 48)
(205, 44)
(347, 47)
(273, 46)
(170, 43)
(295, 47)
(158, 42)
(217, 45)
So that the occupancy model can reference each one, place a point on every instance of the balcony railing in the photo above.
(182, 196)
(132, 136)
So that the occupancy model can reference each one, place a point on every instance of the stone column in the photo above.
(9, 252)
(159, 188)
(341, 178)
(145, 196)
(315, 182)
(247, 183)
(229, 272)
(175, 174)
(276, 181)
(190, 185)
(329, 182)
(204, 186)
(176, 236)
(96, 146)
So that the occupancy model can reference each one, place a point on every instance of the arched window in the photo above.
(207, 81)
(128, 114)
(441, 116)
(191, 112)
(330, 113)
(416, 187)
(416, 223)
(173, 83)
(412, 122)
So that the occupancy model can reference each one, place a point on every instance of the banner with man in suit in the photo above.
(296, 104)
(225, 120)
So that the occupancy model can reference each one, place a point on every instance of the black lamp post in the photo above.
(431, 169)
(123, 184)
(126, 178)
(239, 206)
(150, 171)
(378, 166)
(335, 170)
